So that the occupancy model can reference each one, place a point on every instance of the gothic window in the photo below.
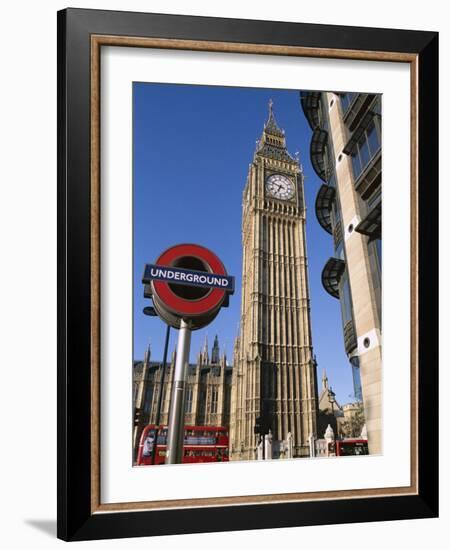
(265, 380)
(148, 397)
(214, 397)
(188, 400)
(202, 402)
(264, 234)
(275, 327)
(166, 396)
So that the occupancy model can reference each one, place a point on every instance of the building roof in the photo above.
(327, 398)
(271, 126)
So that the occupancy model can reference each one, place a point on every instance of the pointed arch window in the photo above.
(188, 400)
(214, 399)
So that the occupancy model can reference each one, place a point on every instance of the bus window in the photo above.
(148, 444)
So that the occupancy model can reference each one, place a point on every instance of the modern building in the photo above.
(207, 397)
(274, 372)
(346, 155)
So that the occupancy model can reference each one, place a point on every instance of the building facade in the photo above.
(346, 155)
(274, 372)
(346, 421)
(207, 397)
(330, 411)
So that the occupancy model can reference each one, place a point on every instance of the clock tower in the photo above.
(274, 372)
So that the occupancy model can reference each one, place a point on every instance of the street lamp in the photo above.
(150, 311)
(332, 400)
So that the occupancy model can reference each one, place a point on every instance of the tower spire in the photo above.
(324, 380)
(204, 352)
(271, 117)
(273, 142)
(271, 125)
(147, 354)
(215, 352)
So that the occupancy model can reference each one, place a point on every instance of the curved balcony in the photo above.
(318, 153)
(310, 104)
(324, 202)
(371, 224)
(331, 275)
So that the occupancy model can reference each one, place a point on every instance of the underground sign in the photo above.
(188, 282)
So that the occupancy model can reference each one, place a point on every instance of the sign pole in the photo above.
(186, 298)
(175, 436)
(161, 388)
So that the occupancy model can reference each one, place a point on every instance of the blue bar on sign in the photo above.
(189, 277)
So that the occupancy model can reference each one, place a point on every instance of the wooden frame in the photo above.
(81, 34)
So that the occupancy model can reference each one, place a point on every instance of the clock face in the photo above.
(280, 187)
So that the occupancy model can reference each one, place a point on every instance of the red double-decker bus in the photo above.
(201, 444)
(351, 447)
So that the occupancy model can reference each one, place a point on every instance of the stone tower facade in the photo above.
(274, 372)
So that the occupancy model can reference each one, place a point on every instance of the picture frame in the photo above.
(81, 35)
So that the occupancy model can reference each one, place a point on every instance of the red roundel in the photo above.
(182, 306)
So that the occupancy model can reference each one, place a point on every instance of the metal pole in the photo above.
(160, 393)
(335, 423)
(175, 436)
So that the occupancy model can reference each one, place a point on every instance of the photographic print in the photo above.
(284, 186)
(227, 359)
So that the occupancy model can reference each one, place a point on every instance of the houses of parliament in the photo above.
(273, 378)
(208, 390)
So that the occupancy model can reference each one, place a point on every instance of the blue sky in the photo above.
(192, 147)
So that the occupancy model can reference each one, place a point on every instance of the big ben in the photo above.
(274, 373)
